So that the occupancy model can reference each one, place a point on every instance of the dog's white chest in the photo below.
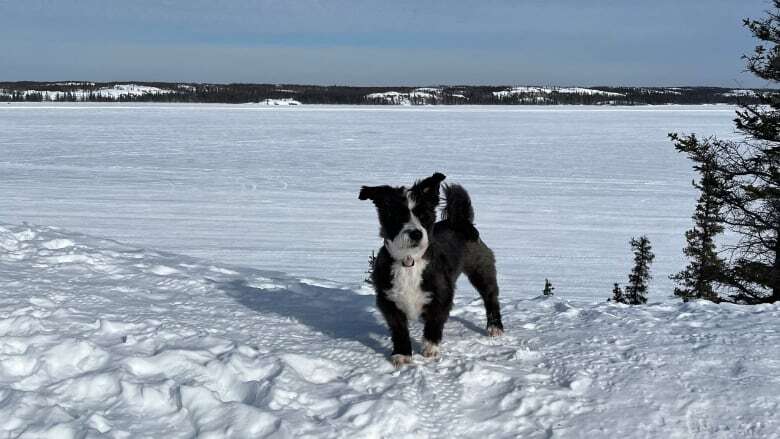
(407, 292)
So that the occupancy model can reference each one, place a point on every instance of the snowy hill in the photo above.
(418, 96)
(740, 93)
(101, 339)
(115, 92)
(389, 98)
(525, 90)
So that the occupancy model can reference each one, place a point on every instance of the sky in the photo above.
(368, 42)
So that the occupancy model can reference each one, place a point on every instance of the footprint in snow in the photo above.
(163, 270)
(57, 244)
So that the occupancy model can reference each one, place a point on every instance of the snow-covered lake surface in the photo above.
(558, 191)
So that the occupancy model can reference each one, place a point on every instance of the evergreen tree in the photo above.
(548, 288)
(748, 172)
(371, 261)
(636, 290)
(698, 279)
(617, 294)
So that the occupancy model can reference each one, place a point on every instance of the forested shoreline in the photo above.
(141, 91)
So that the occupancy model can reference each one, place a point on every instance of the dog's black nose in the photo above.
(415, 235)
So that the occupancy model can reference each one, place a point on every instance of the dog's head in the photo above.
(406, 215)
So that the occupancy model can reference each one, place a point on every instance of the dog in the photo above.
(415, 272)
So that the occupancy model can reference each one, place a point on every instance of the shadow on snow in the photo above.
(337, 313)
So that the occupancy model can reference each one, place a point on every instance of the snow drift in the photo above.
(102, 339)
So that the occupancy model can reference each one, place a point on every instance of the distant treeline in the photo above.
(315, 94)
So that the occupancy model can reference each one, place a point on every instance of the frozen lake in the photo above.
(558, 191)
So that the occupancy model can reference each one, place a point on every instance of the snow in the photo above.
(521, 90)
(115, 92)
(671, 90)
(740, 93)
(418, 96)
(73, 83)
(584, 91)
(422, 95)
(204, 277)
(129, 90)
(286, 102)
(100, 338)
(389, 97)
(524, 90)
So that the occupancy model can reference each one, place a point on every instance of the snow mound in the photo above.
(286, 102)
(99, 338)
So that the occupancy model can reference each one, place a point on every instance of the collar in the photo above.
(407, 261)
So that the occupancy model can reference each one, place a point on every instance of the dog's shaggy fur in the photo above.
(415, 272)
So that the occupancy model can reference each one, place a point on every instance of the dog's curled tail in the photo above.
(458, 211)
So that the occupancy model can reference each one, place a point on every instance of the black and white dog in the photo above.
(416, 269)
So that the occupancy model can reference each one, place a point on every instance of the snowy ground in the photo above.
(558, 191)
(102, 339)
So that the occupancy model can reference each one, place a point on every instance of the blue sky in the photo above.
(552, 42)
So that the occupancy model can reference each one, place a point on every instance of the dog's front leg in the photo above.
(435, 317)
(399, 333)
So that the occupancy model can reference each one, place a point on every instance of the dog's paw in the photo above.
(495, 331)
(430, 349)
(399, 360)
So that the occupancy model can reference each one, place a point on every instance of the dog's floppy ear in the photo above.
(373, 193)
(430, 183)
(428, 189)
